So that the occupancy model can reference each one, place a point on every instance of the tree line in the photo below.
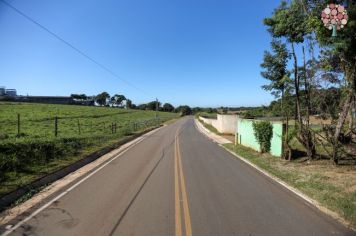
(120, 101)
(311, 72)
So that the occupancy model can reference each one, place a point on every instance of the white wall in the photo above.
(226, 124)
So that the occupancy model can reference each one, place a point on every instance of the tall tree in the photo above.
(275, 69)
(153, 105)
(102, 98)
(184, 110)
(129, 104)
(290, 22)
(117, 99)
(344, 47)
(168, 107)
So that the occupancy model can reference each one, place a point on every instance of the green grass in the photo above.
(207, 115)
(209, 127)
(81, 131)
(311, 180)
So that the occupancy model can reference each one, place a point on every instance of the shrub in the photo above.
(20, 155)
(263, 131)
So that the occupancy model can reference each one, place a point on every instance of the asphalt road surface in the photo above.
(178, 182)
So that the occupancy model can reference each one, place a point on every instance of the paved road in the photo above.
(177, 182)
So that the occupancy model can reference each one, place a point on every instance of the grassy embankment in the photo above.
(82, 130)
(209, 116)
(332, 186)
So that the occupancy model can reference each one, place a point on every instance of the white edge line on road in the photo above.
(140, 139)
(311, 201)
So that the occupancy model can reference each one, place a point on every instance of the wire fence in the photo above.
(22, 126)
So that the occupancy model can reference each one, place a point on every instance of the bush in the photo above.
(22, 154)
(263, 131)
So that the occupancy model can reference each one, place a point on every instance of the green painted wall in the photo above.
(246, 137)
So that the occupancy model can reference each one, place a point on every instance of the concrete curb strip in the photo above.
(216, 138)
(311, 201)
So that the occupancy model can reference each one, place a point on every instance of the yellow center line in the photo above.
(178, 227)
(180, 187)
(188, 225)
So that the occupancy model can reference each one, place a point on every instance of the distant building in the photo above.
(10, 92)
(2, 91)
(45, 99)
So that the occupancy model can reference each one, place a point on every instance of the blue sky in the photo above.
(195, 52)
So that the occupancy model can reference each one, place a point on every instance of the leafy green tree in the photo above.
(118, 99)
(168, 107)
(196, 110)
(275, 69)
(342, 47)
(153, 105)
(289, 21)
(102, 98)
(142, 106)
(129, 104)
(184, 110)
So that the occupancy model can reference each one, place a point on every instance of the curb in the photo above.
(211, 134)
(311, 201)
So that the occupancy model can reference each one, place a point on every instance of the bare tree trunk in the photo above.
(308, 137)
(307, 89)
(351, 124)
(351, 84)
(282, 98)
(296, 85)
(304, 134)
(339, 125)
(287, 150)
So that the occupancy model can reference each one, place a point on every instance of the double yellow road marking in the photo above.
(180, 193)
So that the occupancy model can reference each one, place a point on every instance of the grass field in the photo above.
(32, 149)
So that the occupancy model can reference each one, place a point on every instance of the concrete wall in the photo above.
(206, 120)
(245, 136)
(225, 124)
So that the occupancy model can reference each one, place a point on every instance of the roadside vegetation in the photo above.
(36, 139)
(311, 72)
(313, 78)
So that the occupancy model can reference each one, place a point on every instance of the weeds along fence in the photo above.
(29, 145)
(70, 127)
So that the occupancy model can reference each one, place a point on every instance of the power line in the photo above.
(74, 48)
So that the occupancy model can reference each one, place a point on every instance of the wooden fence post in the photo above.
(56, 126)
(79, 131)
(18, 124)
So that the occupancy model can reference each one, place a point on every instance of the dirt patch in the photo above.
(229, 137)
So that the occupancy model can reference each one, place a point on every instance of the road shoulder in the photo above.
(56, 187)
(308, 199)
